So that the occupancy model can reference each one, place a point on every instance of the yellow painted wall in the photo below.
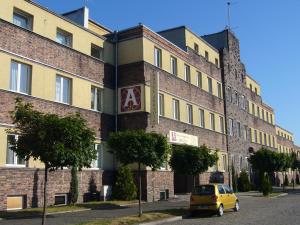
(263, 139)
(261, 112)
(254, 84)
(168, 109)
(97, 29)
(130, 51)
(46, 24)
(203, 46)
(43, 84)
(283, 133)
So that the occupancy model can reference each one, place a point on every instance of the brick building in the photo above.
(194, 90)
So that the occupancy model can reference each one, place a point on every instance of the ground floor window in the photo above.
(11, 157)
(60, 199)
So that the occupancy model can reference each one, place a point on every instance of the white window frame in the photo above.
(202, 118)
(161, 105)
(173, 66)
(66, 199)
(199, 80)
(99, 160)
(95, 91)
(230, 127)
(209, 85)
(176, 109)
(19, 64)
(62, 90)
(15, 154)
(219, 86)
(238, 129)
(22, 14)
(212, 120)
(189, 111)
(187, 73)
(222, 128)
(66, 35)
(157, 57)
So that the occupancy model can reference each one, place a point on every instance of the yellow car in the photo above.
(213, 197)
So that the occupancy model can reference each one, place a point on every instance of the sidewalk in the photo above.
(98, 214)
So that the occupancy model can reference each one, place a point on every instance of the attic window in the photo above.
(97, 51)
(196, 48)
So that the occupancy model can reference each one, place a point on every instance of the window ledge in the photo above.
(15, 166)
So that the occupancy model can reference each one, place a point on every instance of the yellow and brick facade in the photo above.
(192, 89)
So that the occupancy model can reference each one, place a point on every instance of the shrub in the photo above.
(297, 179)
(266, 186)
(234, 179)
(243, 182)
(74, 186)
(286, 180)
(124, 188)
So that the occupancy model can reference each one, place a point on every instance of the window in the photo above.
(187, 73)
(199, 79)
(267, 116)
(196, 48)
(238, 129)
(63, 89)
(60, 199)
(230, 127)
(274, 142)
(189, 109)
(161, 105)
(216, 62)
(97, 51)
(250, 135)
(241, 162)
(212, 121)
(96, 98)
(176, 113)
(253, 109)
(173, 66)
(263, 114)
(221, 190)
(206, 56)
(245, 132)
(236, 95)
(251, 87)
(224, 158)
(11, 157)
(222, 124)
(236, 74)
(258, 111)
(202, 118)
(22, 19)
(265, 139)
(97, 163)
(271, 117)
(229, 90)
(64, 37)
(269, 143)
(209, 82)
(20, 78)
(255, 136)
(260, 138)
(157, 57)
(255, 90)
(219, 90)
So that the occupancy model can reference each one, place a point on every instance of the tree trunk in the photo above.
(140, 190)
(45, 195)
(293, 180)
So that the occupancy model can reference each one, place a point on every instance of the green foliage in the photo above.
(284, 162)
(191, 160)
(266, 186)
(56, 141)
(297, 179)
(150, 149)
(234, 179)
(74, 185)
(264, 160)
(243, 182)
(286, 180)
(124, 187)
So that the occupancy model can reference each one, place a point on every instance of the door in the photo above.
(230, 196)
(223, 197)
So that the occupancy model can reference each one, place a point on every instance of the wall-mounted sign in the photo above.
(154, 91)
(182, 138)
(131, 98)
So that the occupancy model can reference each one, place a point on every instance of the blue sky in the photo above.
(268, 30)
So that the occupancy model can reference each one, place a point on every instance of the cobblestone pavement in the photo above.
(255, 211)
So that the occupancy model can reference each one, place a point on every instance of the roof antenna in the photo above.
(85, 3)
(228, 15)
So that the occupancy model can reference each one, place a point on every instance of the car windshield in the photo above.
(204, 190)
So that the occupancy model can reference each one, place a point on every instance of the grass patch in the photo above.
(146, 217)
(35, 212)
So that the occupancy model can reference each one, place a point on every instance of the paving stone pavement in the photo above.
(255, 211)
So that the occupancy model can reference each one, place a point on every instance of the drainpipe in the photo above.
(116, 80)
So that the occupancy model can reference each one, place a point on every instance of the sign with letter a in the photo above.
(131, 99)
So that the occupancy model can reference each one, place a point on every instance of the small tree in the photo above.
(124, 187)
(137, 146)
(243, 182)
(283, 164)
(191, 160)
(234, 179)
(56, 141)
(266, 186)
(74, 185)
(286, 180)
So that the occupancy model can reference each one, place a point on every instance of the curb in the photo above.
(281, 195)
(70, 211)
(172, 219)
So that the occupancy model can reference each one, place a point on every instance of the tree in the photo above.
(74, 185)
(137, 146)
(124, 187)
(234, 179)
(283, 164)
(192, 160)
(264, 161)
(56, 141)
(294, 165)
(266, 186)
(243, 182)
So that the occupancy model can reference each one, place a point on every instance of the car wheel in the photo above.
(220, 211)
(237, 206)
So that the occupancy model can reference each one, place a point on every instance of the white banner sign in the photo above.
(182, 138)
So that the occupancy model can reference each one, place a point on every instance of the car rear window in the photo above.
(204, 190)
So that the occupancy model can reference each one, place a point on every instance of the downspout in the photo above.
(116, 80)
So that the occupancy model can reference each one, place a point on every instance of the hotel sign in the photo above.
(182, 138)
(154, 92)
(131, 99)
